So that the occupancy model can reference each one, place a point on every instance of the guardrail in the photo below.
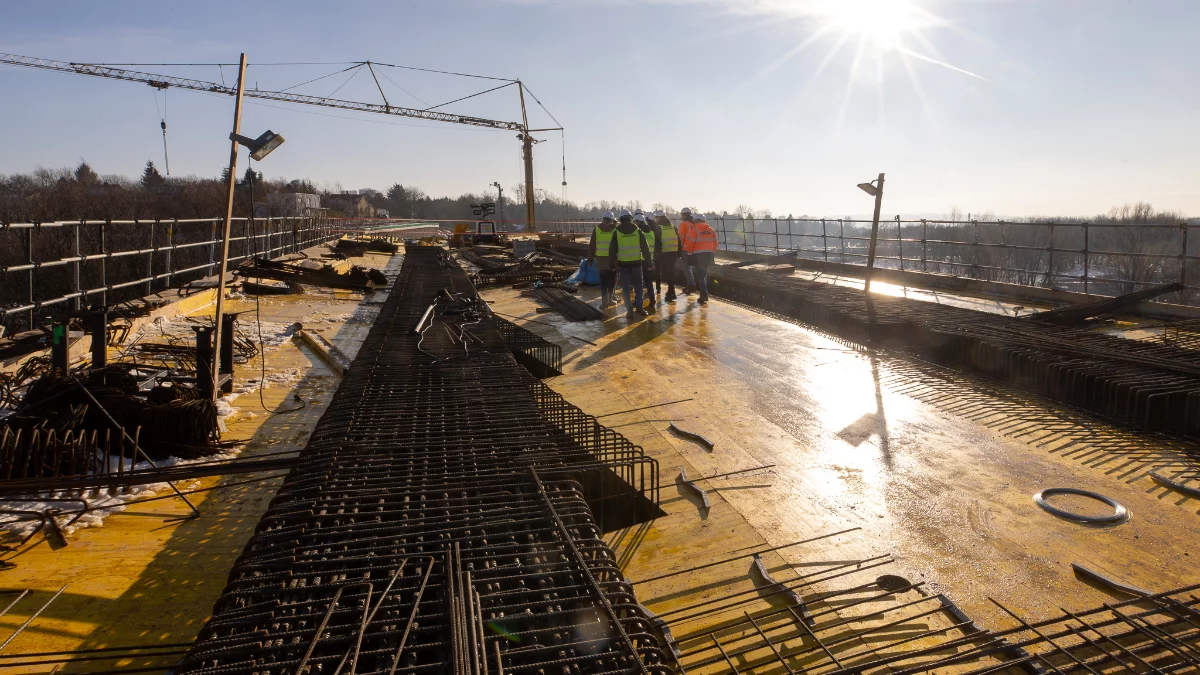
(1103, 258)
(60, 267)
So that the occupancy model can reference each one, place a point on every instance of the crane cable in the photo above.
(162, 121)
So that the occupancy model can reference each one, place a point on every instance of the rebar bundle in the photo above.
(566, 304)
(445, 516)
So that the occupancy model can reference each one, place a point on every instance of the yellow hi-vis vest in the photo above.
(603, 241)
(670, 239)
(629, 246)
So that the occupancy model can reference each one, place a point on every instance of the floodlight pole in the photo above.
(214, 372)
(874, 232)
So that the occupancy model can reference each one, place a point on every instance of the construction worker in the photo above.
(685, 224)
(598, 255)
(668, 238)
(626, 252)
(701, 246)
(649, 272)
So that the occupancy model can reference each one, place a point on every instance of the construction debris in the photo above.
(1120, 513)
(692, 436)
(1079, 313)
(311, 273)
(355, 248)
(560, 300)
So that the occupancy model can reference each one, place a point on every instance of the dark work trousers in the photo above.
(666, 271)
(688, 269)
(702, 262)
(631, 279)
(648, 280)
(608, 280)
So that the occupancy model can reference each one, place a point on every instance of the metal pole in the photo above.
(224, 267)
(1183, 229)
(874, 233)
(900, 241)
(78, 304)
(31, 275)
(824, 241)
(924, 245)
(1050, 268)
(1086, 261)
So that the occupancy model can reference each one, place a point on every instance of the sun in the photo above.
(880, 23)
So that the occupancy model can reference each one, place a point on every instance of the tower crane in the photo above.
(167, 81)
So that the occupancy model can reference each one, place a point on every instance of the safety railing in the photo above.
(1105, 258)
(61, 267)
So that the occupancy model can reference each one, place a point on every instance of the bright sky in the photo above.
(1020, 107)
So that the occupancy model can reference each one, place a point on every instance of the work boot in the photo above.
(669, 297)
(688, 290)
(703, 300)
(640, 312)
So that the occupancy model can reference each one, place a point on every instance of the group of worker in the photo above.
(642, 249)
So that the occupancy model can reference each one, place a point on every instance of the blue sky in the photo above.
(1066, 107)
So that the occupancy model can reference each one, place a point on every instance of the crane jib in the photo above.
(165, 81)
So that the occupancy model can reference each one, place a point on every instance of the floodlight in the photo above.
(259, 147)
(869, 189)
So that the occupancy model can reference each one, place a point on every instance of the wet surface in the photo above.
(861, 440)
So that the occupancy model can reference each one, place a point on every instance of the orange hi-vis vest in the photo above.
(700, 238)
(685, 226)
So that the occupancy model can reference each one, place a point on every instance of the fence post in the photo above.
(924, 245)
(900, 241)
(150, 259)
(78, 304)
(1086, 258)
(1183, 231)
(776, 236)
(975, 250)
(842, 238)
(212, 246)
(30, 278)
(791, 230)
(824, 241)
(1050, 268)
(746, 236)
(171, 252)
(104, 263)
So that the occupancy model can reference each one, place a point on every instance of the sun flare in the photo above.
(881, 23)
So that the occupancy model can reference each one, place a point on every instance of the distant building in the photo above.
(381, 213)
(293, 204)
(349, 204)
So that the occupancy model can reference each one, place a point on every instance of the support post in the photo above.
(60, 348)
(78, 302)
(224, 266)
(900, 240)
(924, 245)
(30, 276)
(98, 329)
(1050, 267)
(874, 233)
(1086, 258)
(824, 240)
(226, 353)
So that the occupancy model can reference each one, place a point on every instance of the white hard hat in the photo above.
(608, 215)
(686, 211)
(637, 211)
(659, 213)
(639, 217)
(700, 217)
(625, 213)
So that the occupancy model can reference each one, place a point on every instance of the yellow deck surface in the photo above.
(936, 472)
(150, 576)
